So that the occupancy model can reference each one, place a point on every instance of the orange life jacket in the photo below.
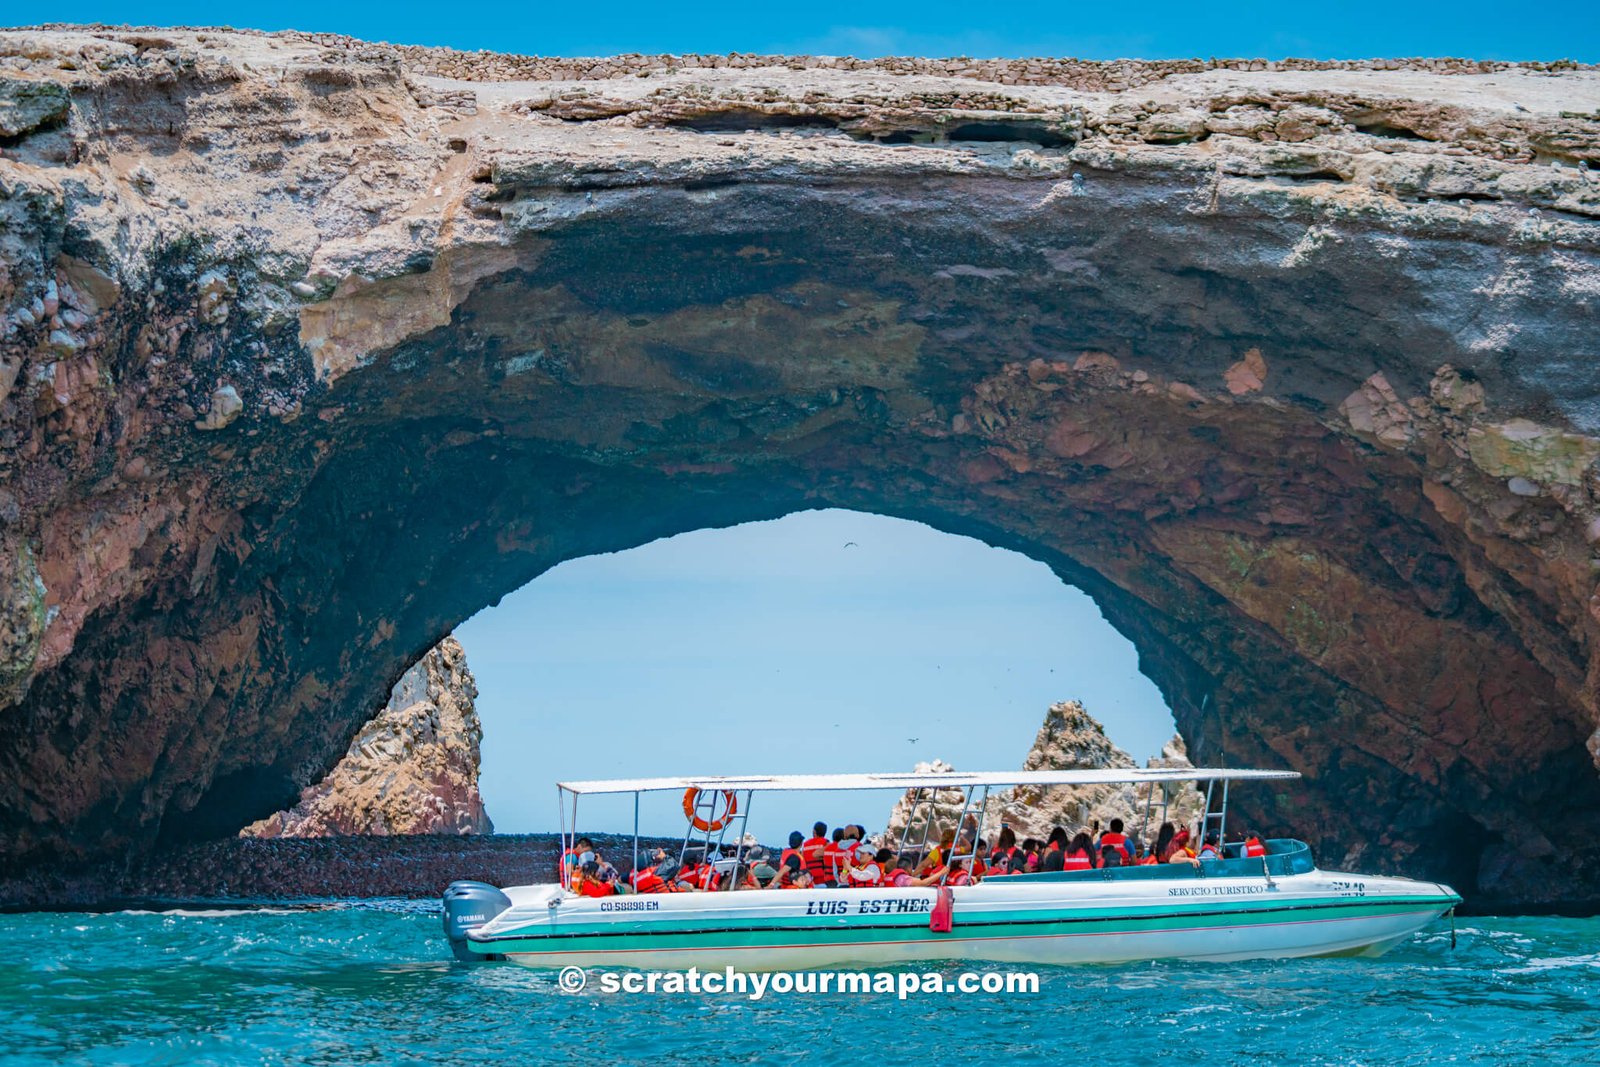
(707, 878)
(813, 853)
(1254, 847)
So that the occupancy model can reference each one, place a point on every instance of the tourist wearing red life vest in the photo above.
(707, 879)
(980, 861)
(936, 855)
(789, 862)
(835, 858)
(586, 881)
(697, 870)
(869, 874)
(1003, 858)
(956, 873)
(1079, 853)
(581, 852)
(1117, 839)
(814, 854)
(1253, 846)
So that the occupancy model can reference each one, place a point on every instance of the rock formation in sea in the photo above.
(1069, 739)
(412, 769)
(310, 348)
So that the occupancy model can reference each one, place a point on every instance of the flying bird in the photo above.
(851, 544)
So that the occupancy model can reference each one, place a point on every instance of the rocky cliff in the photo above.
(310, 348)
(412, 769)
(1069, 739)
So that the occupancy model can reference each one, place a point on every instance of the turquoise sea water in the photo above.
(368, 983)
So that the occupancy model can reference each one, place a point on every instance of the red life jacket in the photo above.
(867, 882)
(834, 859)
(649, 881)
(979, 869)
(1254, 847)
(707, 878)
(592, 888)
(1077, 861)
(888, 879)
(1119, 841)
(959, 877)
(813, 853)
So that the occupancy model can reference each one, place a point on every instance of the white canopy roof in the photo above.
(912, 780)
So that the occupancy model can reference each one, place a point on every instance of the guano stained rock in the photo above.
(412, 769)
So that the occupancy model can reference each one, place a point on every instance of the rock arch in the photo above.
(310, 356)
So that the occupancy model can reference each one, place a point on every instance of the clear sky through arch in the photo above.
(824, 641)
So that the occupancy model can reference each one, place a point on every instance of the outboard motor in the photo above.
(469, 904)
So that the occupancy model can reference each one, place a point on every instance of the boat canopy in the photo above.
(932, 780)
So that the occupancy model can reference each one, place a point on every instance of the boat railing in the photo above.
(1285, 856)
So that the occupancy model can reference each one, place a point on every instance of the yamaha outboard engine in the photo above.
(469, 904)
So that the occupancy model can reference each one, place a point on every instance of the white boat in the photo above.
(1261, 907)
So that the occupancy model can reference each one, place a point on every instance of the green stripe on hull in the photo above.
(760, 934)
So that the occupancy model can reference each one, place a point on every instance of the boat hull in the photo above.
(1000, 921)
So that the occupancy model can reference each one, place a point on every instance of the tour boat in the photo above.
(1239, 907)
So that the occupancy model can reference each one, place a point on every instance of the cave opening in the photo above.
(826, 640)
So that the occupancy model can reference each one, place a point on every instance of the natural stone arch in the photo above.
(277, 458)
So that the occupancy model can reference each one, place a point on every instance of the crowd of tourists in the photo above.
(845, 858)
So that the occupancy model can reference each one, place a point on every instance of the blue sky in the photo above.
(1565, 29)
(774, 648)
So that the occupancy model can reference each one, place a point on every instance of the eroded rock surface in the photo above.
(309, 352)
(1069, 739)
(412, 769)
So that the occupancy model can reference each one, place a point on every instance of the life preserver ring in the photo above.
(691, 798)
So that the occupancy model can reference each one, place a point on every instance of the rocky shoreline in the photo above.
(281, 869)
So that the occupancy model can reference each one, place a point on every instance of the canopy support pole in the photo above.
(744, 828)
(1222, 825)
(911, 816)
(983, 807)
(634, 874)
(561, 837)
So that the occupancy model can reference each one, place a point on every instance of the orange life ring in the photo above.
(691, 798)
